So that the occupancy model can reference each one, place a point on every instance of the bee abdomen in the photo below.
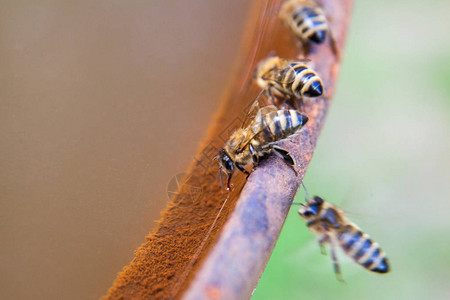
(363, 250)
(307, 84)
(310, 24)
(284, 123)
(376, 262)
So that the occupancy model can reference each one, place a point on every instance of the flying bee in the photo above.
(287, 78)
(258, 137)
(332, 227)
(308, 22)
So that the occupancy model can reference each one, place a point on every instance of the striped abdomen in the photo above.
(309, 24)
(278, 125)
(363, 250)
(299, 80)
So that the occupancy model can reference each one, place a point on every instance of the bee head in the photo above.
(311, 208)
(225, 164)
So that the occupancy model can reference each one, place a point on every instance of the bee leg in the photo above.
(334, 46)
(241, 168)
(271, 97)
(286, 157)
(322, 241)
(333, 43)
(294, 104)
(306, 46)
(228, 182)
(337, 269)
(255, 156)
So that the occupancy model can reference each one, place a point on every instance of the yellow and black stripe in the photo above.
(278, 125)
(298, 80)
(309, 24)
(363, 250)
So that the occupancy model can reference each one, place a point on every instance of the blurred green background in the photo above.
(86, 92)
(383, 157)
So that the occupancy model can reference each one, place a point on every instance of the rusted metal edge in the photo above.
(236, 262)
(185, 256)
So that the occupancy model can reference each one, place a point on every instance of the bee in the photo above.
(258, 137)
(287, 78)
(332, 227)
(308, 22)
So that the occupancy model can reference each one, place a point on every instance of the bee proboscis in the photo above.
(287, 78)
(331, 226)
(258, 137)
(308, 22)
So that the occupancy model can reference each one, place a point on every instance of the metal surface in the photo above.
(237, 261)
(188, 257)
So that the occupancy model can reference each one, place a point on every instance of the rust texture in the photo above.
(238, 259)
(177, 261)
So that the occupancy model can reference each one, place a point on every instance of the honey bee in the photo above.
(308, 22)
(287, 78)
(258, 137)
(332, 227)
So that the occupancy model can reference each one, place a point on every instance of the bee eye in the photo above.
(308, 213)
(318, 200)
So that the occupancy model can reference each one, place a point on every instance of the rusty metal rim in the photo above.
(236, 262)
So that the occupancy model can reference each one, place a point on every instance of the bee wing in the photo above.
(254, 110)
(251, 114)
(257, 121)
(280, 75)
(304, 59)
(314, 3)
(265, 111)
(276, 74)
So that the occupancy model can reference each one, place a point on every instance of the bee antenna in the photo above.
(220, 174)
(297, 203)
(306, 191)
